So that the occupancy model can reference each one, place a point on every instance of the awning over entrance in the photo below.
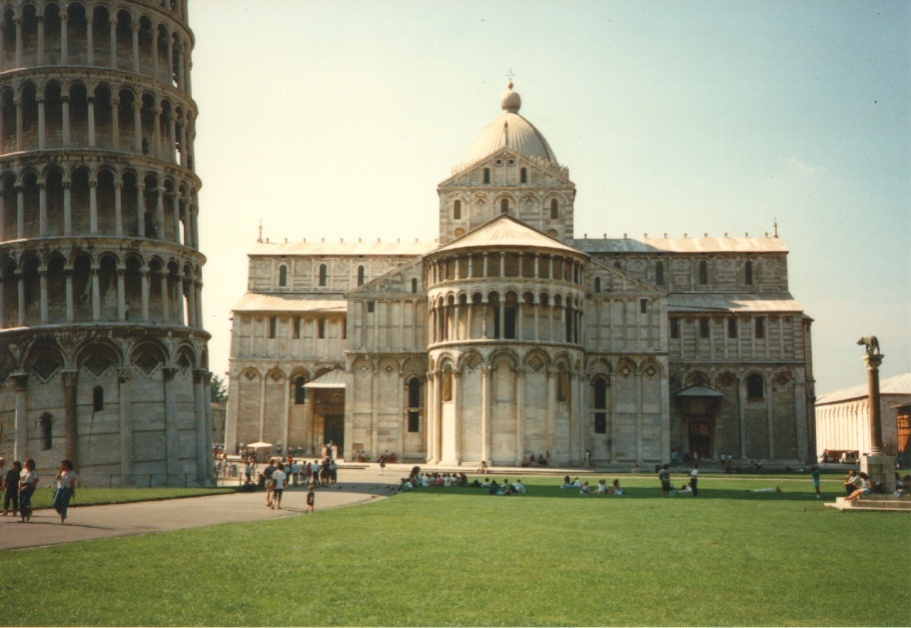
(333, 379)
(699, 391)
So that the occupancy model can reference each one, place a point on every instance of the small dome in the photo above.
(510, 130)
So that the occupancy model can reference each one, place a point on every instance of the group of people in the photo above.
(20, 483)
(278, 477)
(586, 489)
(542, 460)
(691, 488)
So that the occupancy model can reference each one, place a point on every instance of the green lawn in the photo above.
(462, 557)
(44, 497)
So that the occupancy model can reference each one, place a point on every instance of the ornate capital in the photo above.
(873, 361)
(69, 377)
(124, 374)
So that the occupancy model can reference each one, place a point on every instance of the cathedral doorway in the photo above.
(334, 430)
(699, 437)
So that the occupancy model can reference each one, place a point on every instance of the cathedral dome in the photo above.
(510, 130)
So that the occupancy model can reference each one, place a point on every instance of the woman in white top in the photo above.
(66, 488)
(28, 481)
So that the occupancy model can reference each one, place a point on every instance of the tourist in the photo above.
(852, 482)
(28, 482)
(311, 497)
(584, 489)
(482, 470)
(664, 476)
(268, 472)
(248, 471)
(333, 472)
(602, 488)
(382, 462)
(863, 489)
(66, 489)
(519, 487)
(279, 477)
(575, 483)
(542, 462)
(11, 488)
(295, 472)
(815, 476)
(588, 458)
(615, 489)
(694, 479)
(315, 474)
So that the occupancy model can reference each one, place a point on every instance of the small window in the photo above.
(748, 273)
(732, 327)
(703, 273)
(371, 307)
(600, 423)
(296, 327)
(523, 176)
(457, 210)
(755, 387)
(414, 286)
(414, 393)
(703, 328)
(760, 327)
(643, 306)
(323, 273)
(321, 328)
(414, 421)
(504, 206)
(47, 435)
(360, 275)
(597, 284)
(675, 328)
(553, 209)
(659, 273)
(300, 393)
(273, 325)
(98, 399)
(486, 175)
(600, 405)
(447, 385)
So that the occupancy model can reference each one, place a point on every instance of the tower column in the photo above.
(20, 448)
(124, 390)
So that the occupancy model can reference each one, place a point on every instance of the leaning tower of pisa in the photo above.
(103, 357)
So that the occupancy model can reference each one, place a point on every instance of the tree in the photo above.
(219, 390)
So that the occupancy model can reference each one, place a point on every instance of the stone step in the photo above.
(884, 503)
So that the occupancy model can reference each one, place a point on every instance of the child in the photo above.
(311, 496)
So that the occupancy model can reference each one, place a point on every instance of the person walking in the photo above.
(268, 472)
(694, 479)
(280, 478)
(66, 488)
(816, 475)
(664, 476)
(311, 497)
(28, 482)
(11, 488)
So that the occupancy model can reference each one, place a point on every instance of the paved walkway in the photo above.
(356, 486)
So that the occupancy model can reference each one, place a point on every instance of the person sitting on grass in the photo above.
(686, 489)
(575, 483)
(615, 489)
(494, 488)
(777, 489)
(518, 487)
(404, 485)
(863, 489)
(601, 488)
(584, 489)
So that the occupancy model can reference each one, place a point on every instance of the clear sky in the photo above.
(338, 119)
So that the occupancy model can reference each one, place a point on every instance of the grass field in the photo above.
(462, 557)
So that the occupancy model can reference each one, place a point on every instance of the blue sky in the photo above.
(338, 119)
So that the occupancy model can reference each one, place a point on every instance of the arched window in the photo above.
(755, 386)
(553, 209)
(457, 210)
(360, 275)
(504, 206)
(414, 405)
(300, 393)
(703, 273)
(414, 286)
(748, 273)
(486, 175)
(523, 176)
(282, 276)
(47, 436)
(659, 273)
(97, 399)
(323, 272)
(599, 390)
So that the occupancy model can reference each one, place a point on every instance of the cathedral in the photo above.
(510, 337)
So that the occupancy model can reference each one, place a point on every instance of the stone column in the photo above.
(42, 127)
(112, 22)
(18, 102)
(20, 212)
(96, 295)
(63, 36)
(374, 402)
(121, 294)
(485, 414)
(135, 28)
(137, 126)
(90, 36)
(146, 289)
(65, 107)
(67, 209)
(115, 122)
(124, 376)
(118, 207)
(172, 437)
(93, 206)
(42, 209)
(20, 449)
(70, 305)
(42, 288)
(520, 415)
(879, 466)
(18, 22)
(91, 120)
(203, 452)
(457, 416)
(430, 404)
(69, 408)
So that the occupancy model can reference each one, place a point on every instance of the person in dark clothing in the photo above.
(11, 489)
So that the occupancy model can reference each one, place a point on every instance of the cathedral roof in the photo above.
(341, 248)
(257, 302)
(505, 231)
(737, 303)
(510, 130)
(681, 245)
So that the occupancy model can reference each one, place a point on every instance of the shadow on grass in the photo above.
(636, 493)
